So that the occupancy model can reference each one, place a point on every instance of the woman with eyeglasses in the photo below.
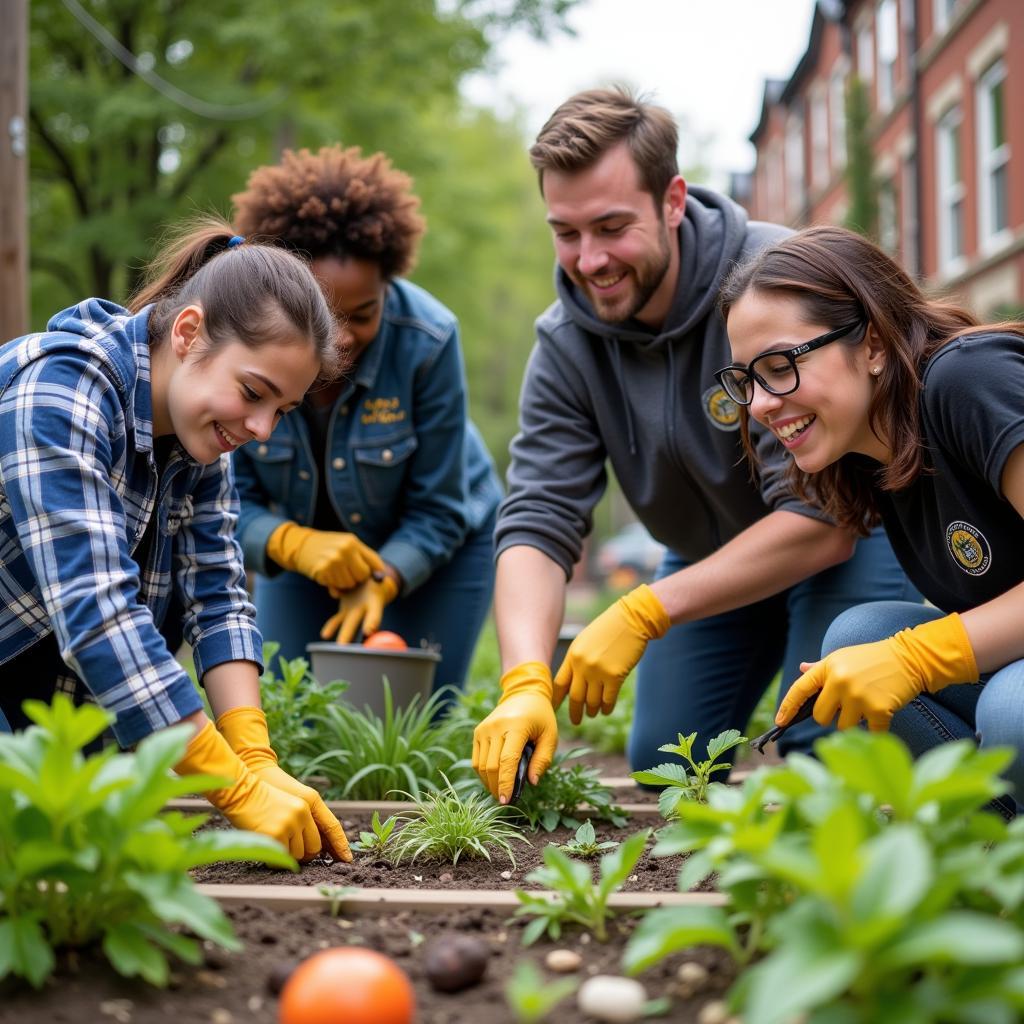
(901, 410)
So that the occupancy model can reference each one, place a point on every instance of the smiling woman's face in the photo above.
(354, 290)
(827, 416)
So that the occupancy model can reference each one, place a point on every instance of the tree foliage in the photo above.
(862, 215)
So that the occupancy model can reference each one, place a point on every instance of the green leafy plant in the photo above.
(563, 792)
(365, 757)
(864, 887)
(531, 997)
(577, 898)
(447, 825)
(585, 844)
(86, 856)
(682, 784)
(296, 705)
(335, 896)
(378, 838)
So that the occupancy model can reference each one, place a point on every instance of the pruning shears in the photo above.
(760, 742)
(524, 763)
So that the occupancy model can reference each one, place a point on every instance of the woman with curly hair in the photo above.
(902, 410)
(385, 463)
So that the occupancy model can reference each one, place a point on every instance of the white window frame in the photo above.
(991, 160)
(820, 172)
(943, 10)
(837, 118)
(888, 216)
(887, 32)
(951, 192)
(866, 54)
(794, 161)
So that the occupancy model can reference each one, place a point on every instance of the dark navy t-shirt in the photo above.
(958, 539)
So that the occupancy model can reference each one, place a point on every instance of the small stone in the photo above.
(254, 1004)
(222, 1016)
(211, 980)
(612, 999)
(506, 875)
(693, 978)
(454, 962)
(585, 938)
(417, 878)
(563, 961)
(715, 1012)
(445, 876)
(119, 1009)
(344, 924)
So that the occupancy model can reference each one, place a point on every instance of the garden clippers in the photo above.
(524, 763)
(760, 742)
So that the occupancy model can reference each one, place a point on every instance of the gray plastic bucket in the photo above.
(409, 672)
(566, 635)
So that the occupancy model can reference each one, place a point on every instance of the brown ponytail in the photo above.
(251, 293)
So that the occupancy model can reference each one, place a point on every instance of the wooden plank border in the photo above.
(370, 901)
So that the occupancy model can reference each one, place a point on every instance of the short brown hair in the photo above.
(334, 202)
(839, 277)
(590, 123)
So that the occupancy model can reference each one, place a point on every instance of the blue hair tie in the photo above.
(235, 240)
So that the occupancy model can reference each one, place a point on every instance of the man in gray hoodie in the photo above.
(623, 372)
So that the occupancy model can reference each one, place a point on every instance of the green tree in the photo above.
(861, 187)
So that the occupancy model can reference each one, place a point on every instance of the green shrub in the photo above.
(87, 856)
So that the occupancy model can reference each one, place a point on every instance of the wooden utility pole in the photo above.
(13, 168)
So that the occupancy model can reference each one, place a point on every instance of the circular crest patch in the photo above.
(723, 412)
(969, 548)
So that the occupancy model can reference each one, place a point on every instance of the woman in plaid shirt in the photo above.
(116, 493)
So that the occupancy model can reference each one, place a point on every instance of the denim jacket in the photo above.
(406, 470)
(79, 487)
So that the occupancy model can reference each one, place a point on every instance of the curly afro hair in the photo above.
(334, 203)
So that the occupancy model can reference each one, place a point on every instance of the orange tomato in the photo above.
(385, 640)
(350, 984)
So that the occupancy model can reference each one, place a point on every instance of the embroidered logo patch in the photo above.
(723, 412)
(969, 548)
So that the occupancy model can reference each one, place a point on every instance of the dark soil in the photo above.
(368, 871)
(236, 988)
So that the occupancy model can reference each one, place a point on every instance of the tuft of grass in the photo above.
(447, 825)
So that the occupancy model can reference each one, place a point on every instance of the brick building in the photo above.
(947, 137)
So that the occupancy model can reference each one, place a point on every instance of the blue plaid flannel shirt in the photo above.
(78, 487)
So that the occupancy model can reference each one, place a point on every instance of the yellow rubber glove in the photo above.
(245, 729)
(361, 606)
(523, 713)
(604, 653)
(250, 803)
(873, 681)
(339, 560)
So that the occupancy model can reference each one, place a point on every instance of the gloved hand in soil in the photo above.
(605, 652)
(338, 560)
(250, 803)
(245, 730)
(360, 606)
(873, 681)
(523, 713)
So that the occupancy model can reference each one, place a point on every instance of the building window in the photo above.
(794, 164)
(888, 50)
(993, 156)
(908, 219)
(944, 10)
(819, 138)
(888, 218)
(865, 54)
(837, 114)
(951, 191)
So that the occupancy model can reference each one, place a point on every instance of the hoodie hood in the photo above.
(711, 237)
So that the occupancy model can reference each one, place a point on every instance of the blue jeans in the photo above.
(708, 675)
(448, 610)
(990, 713)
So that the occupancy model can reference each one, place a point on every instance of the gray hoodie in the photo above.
(647, 402)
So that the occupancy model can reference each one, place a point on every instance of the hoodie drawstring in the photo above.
(630, 427)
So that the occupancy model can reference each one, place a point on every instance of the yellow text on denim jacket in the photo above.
(382, 410)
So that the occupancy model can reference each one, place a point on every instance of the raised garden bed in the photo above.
(236, 988)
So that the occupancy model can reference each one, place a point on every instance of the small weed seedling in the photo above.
(87, 857)
(378, 840)
(585, 844)
(578, 900)
(681, 784)
(447, 825)
(562, 791)
(531, 997)
(335, 896)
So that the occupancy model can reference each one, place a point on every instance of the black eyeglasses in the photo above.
(776, 372)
